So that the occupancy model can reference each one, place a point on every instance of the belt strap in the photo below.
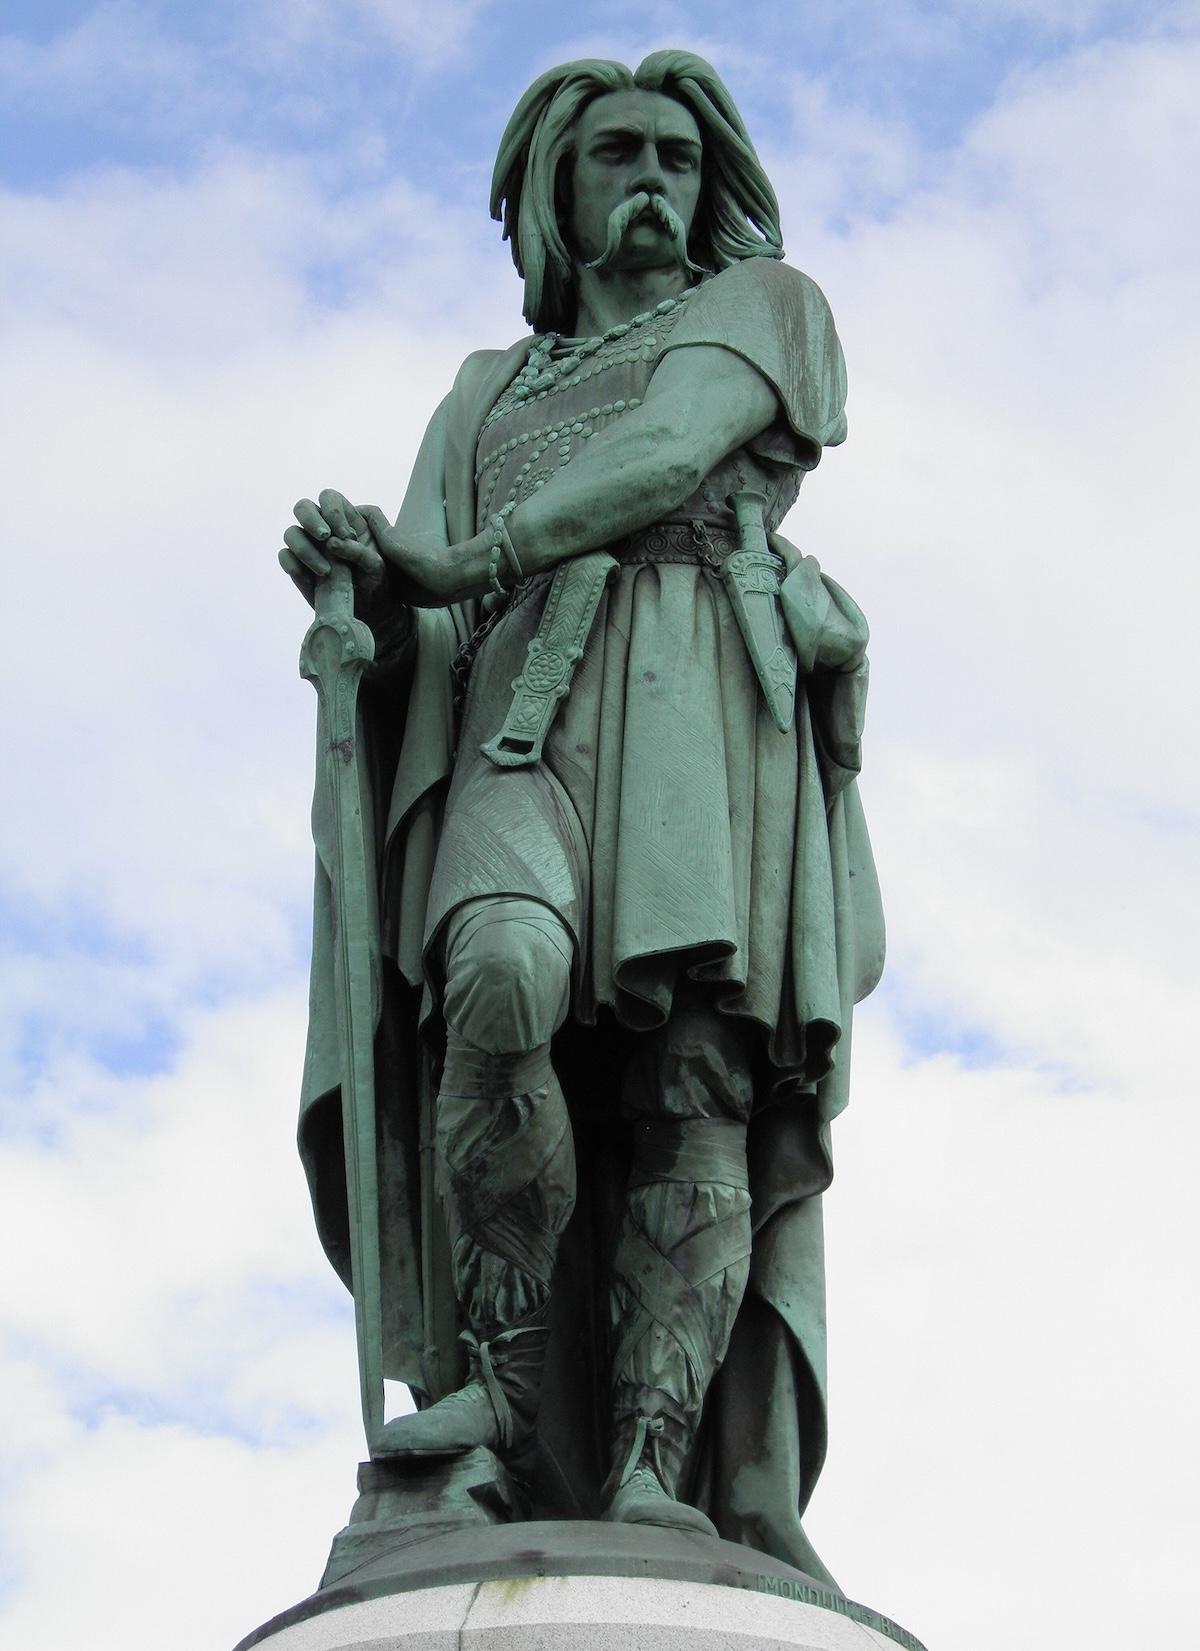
(476, 1073)
(750, 571)
(550, 659)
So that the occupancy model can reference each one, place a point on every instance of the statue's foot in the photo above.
(641, 1500)
(460, 1422)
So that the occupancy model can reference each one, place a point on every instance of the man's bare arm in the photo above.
(702, 403)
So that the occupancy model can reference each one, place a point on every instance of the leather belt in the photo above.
(576, 587)
(698, 543)
(704, 543)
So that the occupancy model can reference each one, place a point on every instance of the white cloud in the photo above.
(1013, 510)
(178, 1355)
(1011, 1365)
(134, 1527)
(170, 390)
(119, 49)
(176, 1338)
(1011, 1246)
(433, 33)
(109, 40)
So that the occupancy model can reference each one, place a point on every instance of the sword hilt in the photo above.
(749, 507)
(333, 598)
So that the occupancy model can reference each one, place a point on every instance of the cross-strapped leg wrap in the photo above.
(682, 1262)
(507, 1164)
(505, 1154)
(683, 1254)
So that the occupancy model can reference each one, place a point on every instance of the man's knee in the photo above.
(508, 974)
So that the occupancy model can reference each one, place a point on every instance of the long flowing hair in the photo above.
(737, 215)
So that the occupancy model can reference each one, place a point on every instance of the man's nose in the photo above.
(648, 174)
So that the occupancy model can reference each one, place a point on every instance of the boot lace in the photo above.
(487, 1359)
(646, 1425)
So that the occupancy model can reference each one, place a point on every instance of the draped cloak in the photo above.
(791, 953)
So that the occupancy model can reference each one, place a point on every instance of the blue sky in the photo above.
(243, 248)
(370, 87)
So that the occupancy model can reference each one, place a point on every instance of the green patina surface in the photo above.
(594, 894)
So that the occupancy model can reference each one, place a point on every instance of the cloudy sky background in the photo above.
(242, 250)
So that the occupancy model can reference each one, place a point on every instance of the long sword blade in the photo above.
(334, 654)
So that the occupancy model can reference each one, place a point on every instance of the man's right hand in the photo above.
(307, 552)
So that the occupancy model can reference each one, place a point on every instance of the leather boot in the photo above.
(647, 1466)
(496, 1408)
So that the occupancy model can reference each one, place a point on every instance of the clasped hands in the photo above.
(360, 535)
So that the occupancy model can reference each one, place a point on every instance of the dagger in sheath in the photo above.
(751, 575)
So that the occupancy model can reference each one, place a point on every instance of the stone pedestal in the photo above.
(580, 1614)
(576, 1585)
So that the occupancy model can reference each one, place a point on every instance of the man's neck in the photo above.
(612, 296)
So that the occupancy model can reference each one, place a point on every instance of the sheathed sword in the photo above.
(334, 654)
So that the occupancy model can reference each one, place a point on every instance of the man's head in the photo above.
(632, 181)
(610, 168)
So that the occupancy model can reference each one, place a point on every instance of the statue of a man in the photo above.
(625, 895)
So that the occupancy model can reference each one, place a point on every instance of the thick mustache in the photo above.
(624, 214)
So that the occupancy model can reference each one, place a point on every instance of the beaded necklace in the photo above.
(555, 364)
(546, 372)
(542, 373)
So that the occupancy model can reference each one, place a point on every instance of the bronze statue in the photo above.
(594, 892)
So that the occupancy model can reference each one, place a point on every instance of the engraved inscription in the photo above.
(785, 1587)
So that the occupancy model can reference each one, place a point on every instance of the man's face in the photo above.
(627, 143)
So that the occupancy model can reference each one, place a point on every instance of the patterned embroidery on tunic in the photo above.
(527, 438)
(585, 385)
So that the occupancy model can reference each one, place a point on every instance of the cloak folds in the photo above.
(762, 1440)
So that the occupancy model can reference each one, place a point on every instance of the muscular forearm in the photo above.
(702, 404)
(629, 477)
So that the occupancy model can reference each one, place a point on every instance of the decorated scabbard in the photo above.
(751, 575)
(550, 660)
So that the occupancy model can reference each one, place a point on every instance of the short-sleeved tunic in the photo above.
(663, 822)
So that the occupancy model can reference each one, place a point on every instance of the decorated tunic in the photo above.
(662, 822)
